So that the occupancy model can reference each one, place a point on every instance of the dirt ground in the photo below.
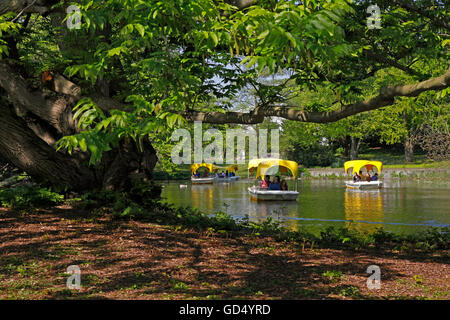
(136, 260)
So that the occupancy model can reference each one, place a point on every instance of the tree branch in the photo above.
(386, 61)
(26, 6)
(385, 98)
(20, 13)
(423, 12)
(57, 111)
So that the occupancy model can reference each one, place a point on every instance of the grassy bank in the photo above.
(425, 165)
(436, 173)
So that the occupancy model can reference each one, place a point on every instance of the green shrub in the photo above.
(128, 209)
(267, 226)
(338, 163)
(332, 276)
(382, 237)
(304, 172)
(223, 221)
(29, 197)
(349, 291)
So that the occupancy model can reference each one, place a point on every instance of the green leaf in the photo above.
(140, 28)
(83, 145)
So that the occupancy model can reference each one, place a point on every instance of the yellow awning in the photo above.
(358, 164)
(196, 166)
(263, 165)
(211, 167)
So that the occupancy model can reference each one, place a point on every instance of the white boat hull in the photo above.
(363, 185)
(229, 179)
(208, 180)
(272, 195)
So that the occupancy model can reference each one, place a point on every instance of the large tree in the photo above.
(105, 93)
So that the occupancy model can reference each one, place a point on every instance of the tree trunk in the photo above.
(354, 147)
(409, 150)
(20, 145)
(23, 148)
(346, 145)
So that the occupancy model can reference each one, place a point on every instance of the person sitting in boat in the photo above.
(265, 183)
(375, 177)
(231, 174)
(283, 185)
(222, 175)
(275, 185)
(226, 174)
(361, 176)
(356, 178)
(368, 177)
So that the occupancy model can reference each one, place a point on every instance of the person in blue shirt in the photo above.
(275, 185)
(375, 177)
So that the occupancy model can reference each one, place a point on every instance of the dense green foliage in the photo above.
(24, 197)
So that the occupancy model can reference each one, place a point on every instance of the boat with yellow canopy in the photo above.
(230, 174)
(359, 165)
(212, 174)
(208, 176)
(264, 167)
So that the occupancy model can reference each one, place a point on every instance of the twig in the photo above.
(20, 13)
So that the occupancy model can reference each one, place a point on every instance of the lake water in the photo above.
(400, 206)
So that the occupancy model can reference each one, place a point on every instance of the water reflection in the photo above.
(362, 207)
(202, 195)
(277, 209)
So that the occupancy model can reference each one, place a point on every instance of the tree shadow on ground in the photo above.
(134, 260)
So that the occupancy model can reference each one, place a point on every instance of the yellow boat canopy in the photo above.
(196, 166)
(358, 164)
(211, 167)
(263, 165)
